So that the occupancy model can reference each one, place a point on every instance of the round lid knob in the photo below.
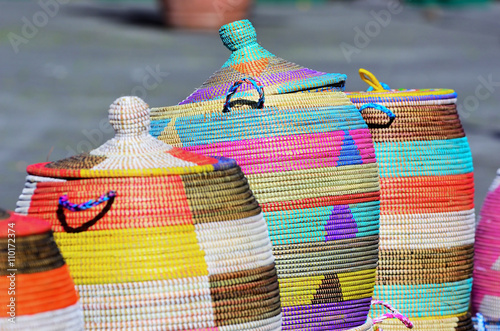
(238, 35)
(129, 116)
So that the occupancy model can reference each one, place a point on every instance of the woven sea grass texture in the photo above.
(156, 237)
(486, 289)
(309, 160)
(37, 290)
(426, 206)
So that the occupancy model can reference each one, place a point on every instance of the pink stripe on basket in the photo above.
(293, 152)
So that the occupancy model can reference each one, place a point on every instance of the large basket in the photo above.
(310, 162)
(486, 289)
(170, 240)
(37, 290)
(427, 207)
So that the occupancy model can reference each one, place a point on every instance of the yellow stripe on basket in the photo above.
(88, 173)
(132, 255)
(302, 290)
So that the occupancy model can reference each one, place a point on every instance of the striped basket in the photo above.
(486, 289)
(169, 240)
(310, 162)
(426, 207)
(37, 292)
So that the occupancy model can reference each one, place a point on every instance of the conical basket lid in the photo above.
(249, 59)
(21, 226)
(132, 152)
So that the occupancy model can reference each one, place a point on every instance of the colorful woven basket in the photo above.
(170, 240)
(486, 289)
(426, 206)
(310, 162)
(37, 290)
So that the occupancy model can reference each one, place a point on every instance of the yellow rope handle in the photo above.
(370, 79)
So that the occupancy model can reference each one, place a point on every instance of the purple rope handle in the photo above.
(64, 202)
(234, 88)
(393, 314)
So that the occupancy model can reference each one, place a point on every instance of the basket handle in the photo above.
(65, 204)
(481, 324)
(371, 80)
(383, 109)
(234, 88)
(393, 314)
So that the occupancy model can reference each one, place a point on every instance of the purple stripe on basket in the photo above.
(340, 219)
(343, 305)
(328, 316)
(212, 92)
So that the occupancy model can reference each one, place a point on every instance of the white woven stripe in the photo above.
(433, 230)
(368, 326)
(496, 182)
(24, 202)
(490, 307)
(180, 303)
(233, 246)
(66, 319)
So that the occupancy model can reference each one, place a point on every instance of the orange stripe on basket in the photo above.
(321, 201)
(191, 157)
(140, 202)
(427, 194)
(38, 292)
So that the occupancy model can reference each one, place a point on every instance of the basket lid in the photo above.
(21, 226)
(132, 152)
(249, 59)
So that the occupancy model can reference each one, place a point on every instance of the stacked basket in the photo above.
(176, 242)
(427, 208)
(37, 290)
(486, 289)
(310, 162)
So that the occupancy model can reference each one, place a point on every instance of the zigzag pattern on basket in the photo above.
(426, 206)
(310, 161)
(38, 292)
(486, 289)
(178, 242)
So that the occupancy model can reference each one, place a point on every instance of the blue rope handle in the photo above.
(384, 85)
(64, 202)
(480, 322)
(379, 107)
(234, 88)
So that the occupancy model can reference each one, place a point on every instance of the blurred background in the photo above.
(63, 62)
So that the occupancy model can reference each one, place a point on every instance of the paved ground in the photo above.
(58, 80)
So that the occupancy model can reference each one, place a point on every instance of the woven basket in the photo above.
(486, 289)
(310, 162)
(426, 205)
(170, 239)
(37, 290)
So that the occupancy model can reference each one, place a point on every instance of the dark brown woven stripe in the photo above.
(465, 323)
(219, 196)
(428, 253)
(329, 290)
(36, 253)
(81, 161)
(245, 296)
(426, 122)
